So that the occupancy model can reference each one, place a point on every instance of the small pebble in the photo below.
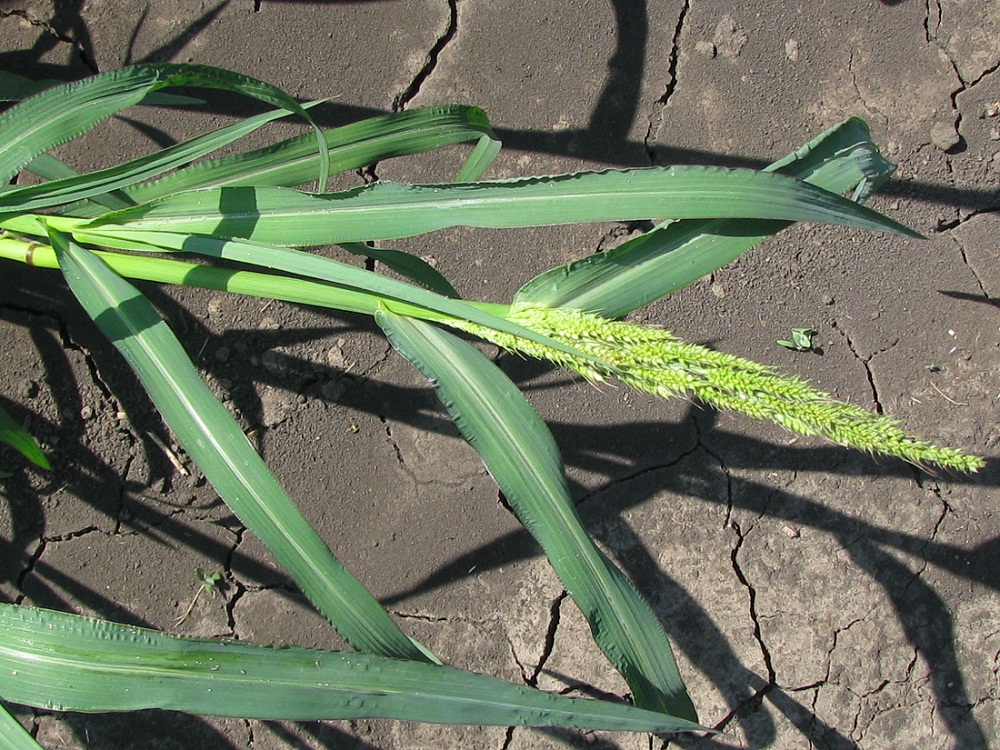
(335, 356)
(944, 135)
(791, 532)
(705, 48)
(86, 412)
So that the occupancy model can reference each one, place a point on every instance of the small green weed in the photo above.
(802, 340)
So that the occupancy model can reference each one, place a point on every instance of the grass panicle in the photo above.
(656, 361)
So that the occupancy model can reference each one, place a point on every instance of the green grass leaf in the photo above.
(521, 455)
(18, 438)
(296, 161)
(214, 440)
(406, 264)
(281, 216)
(480, 159)
(318, 267)
(66, 662)
(673, 255)
(58, 114)
(76, 187)
(13, 736)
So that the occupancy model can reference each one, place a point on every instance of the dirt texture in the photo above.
(816, 597)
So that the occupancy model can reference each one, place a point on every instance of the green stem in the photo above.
(247, 283)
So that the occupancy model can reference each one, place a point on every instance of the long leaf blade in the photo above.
(61, 113)
(214, 440)
(67, 662)
(80, 186)
(390, 210)
(673, 255)
(521, 455)
(296, 160)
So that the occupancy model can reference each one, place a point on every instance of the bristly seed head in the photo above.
(654, 360)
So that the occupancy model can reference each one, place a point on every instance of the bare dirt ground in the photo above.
(816, 597)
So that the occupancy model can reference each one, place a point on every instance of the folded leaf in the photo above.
(672, 255)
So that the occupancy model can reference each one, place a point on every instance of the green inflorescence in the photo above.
(656, 361)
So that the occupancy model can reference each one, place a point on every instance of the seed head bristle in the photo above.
(656, 361)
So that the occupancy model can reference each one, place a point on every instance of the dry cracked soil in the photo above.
(816, 597)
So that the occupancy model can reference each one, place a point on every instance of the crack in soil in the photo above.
(752, 594)
(596, 492)
(123, 515)
(29, 568)
(945, 226)
(727, 523)
(674, 55)
(743, 708)
(965, 259)
(238, 588)
(752, 703)
(422, 617)
(986, 73)
(656, 118)
(513, 654)
(945, 510)
(403, 98)
(550, 637)
(67, 342)
(864, 363)
(861, 97)
(86, 58)
(394, 445)
(931, 37)
(88, 359)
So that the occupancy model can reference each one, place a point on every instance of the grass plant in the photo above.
(164, 217)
